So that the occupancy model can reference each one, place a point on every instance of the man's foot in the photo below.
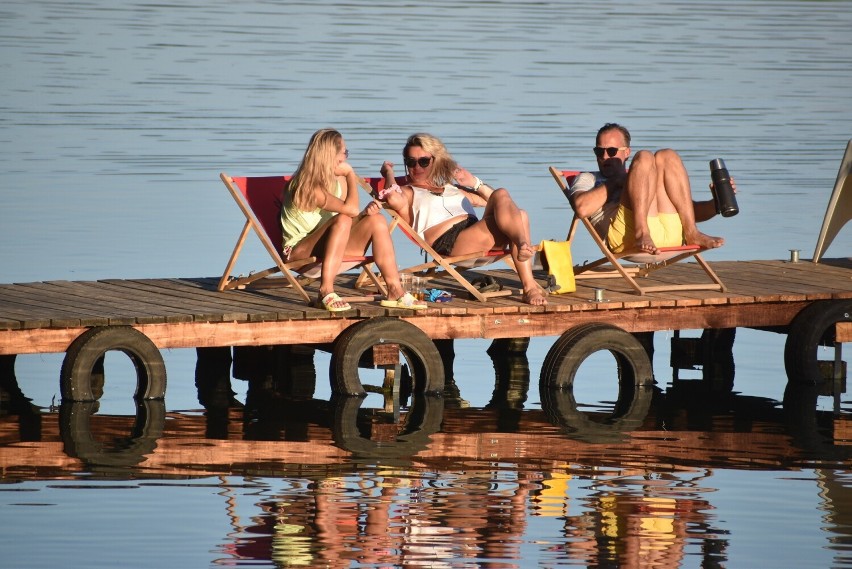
(703, 240)
(646, 245)
(536, 296)
(525, 252)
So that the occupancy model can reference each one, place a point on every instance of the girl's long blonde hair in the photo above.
(443, 166)
(316, 169)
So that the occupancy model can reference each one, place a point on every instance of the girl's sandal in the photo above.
(333, 303)
(405, 301)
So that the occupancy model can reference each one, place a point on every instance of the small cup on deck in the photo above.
(407, 282)
(417, 286)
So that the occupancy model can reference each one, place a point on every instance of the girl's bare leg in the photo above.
(374, 229)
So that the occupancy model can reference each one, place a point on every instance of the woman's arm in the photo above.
(398, 199)
(480, 190)
(349, 204)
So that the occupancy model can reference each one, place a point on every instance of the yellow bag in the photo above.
(555, 258)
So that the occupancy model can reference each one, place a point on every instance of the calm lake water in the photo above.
(117, 118)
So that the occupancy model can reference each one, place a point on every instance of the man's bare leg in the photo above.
(675, 196)
(640, 196)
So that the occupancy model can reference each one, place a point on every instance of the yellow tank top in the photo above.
(297, 224)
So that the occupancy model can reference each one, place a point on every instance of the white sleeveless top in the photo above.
(431, 209)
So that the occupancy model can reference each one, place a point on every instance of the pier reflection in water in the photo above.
(432, 479)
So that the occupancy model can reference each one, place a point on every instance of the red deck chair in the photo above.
(448, 264)
(259, 198)
(642, 264)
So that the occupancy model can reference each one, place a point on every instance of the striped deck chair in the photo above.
(259, 199)
(640, 264)
(440, 263)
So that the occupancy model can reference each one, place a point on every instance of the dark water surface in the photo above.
(117, 118)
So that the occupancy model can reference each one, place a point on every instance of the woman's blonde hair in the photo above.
(316, 169)
(443, 166)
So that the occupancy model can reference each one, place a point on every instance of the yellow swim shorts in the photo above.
(666, 230)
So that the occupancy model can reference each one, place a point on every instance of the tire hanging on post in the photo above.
(425, 364)
(812, 327)
(88, 349)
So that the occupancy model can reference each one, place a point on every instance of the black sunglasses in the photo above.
(423, 161)
(610, 151)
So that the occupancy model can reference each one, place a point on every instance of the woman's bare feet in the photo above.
(535, 296)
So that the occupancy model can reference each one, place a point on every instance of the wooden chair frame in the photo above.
(440, 262)
(259, 199)
(642, 263)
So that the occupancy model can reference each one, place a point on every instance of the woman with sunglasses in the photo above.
(647, 207)
(320, 216)
(438, 203)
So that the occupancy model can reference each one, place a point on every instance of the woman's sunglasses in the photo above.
(423, 161)
(610, 151)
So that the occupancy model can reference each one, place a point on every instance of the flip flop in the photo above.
(405, 301)
(333, 303)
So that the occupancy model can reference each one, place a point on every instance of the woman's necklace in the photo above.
(437, 190)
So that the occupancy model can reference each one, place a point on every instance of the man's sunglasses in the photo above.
(423, 161)
(610, 151)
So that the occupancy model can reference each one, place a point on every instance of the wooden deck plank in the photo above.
(203, 310)
(756, 285)
(810, 276)
(87, 297)
(61, 314)
(145, 307)
(760, 293)
(282, 301)
(287, 304)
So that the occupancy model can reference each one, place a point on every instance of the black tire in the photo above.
(423, 419)
(84, 353)
(635, 382)
(423, 359)
(575, 345)
(811, 328)
(115, 456)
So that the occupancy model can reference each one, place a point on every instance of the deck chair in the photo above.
(640, 264)
(839, 209)
(439, 263)
(259, 199)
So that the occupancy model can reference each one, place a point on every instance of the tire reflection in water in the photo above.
(98, 440)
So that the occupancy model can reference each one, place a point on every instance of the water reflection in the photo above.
(436, 481)
(646, 518)
(103, 443)
(692, 422)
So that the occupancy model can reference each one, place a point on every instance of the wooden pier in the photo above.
(190, 313)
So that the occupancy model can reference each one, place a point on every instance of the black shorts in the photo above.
(444, 244)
